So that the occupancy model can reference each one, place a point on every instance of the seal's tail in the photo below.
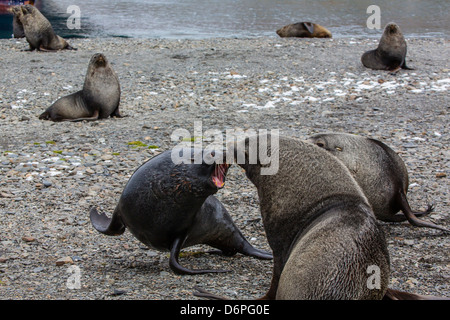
(392, 294)
(110, 226)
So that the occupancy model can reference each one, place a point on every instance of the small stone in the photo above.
(441, 175)
(28, 238)
(46, 183)
(63, 261)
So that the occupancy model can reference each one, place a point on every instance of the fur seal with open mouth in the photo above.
(99, 98)
(391, 51)
(379, 171)
(169, 206)
(304, 30)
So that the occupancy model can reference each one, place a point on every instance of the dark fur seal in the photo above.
(39, 32)
(170, 206)
(304, 30)
(18, 31)
(319, 224)
(99, 98)
(391, 52)
(379, 171)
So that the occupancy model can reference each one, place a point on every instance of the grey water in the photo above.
(197, 19)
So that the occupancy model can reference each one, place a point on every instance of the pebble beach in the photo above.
(52, 173)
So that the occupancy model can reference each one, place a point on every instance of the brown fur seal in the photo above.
(18, 31)
(391, 52)
(39, 32)
(379, 171)
(319, 224)
(99, 98)
(304, 30)
(170, 206)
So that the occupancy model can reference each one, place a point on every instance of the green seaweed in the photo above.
(137, 144)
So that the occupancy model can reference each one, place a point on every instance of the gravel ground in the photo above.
(51, 173)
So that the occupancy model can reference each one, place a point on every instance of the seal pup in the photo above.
(319, 224)
(304, 30)
(379, 171)
(169, 206)
(39, 32)
(18, 31)
(99, 98)
(391, 51)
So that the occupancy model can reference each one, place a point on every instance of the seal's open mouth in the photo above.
(218, 176)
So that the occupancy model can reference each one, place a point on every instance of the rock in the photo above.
(64, 260)
(28, 238)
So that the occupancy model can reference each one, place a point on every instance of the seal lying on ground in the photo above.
(319, 224)
(18, 31)
(99, 98)
(304, 30)
(390, 53)
(39, 32)
(170, 206)
(379, 171)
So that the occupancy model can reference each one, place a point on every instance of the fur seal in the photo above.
(379, 171)
(319, 224)
(304, 30)
(391, 51)
(170, 206)
(39, 32)
(18, 31)
(99, 98)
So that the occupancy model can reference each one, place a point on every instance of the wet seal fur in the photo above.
(304, 30)
(379, 171)
(99, 98)
(391, 51)
(39, 32)
(171, 206)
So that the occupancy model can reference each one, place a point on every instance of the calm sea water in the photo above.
(242, 18)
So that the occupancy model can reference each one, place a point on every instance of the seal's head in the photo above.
(98, 60)
(201, 171)
(27, 9)
(392, 28)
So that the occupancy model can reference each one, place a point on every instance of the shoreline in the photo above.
(52, 173)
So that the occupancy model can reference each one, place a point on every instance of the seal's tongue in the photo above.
(218, 176)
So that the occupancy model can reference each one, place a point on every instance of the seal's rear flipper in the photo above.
(175, 265)
(249, 250)
(109, 226)
(205, 294)
(412, 217)
(392, 294)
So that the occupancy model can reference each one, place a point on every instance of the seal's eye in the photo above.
(320, 144)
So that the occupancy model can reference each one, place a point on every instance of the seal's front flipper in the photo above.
(404, 66)
(109, 226)
(175, 265)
